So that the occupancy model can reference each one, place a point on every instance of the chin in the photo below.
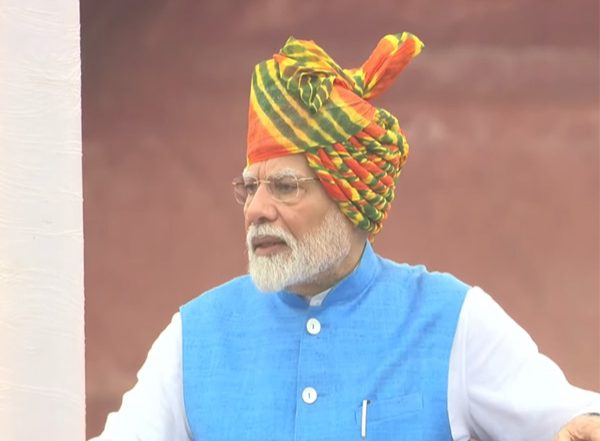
(266, 288)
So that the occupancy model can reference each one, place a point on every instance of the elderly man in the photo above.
(346, 345)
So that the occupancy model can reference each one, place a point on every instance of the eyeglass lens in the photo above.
(282, 188)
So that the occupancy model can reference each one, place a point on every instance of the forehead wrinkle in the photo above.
(285, 171)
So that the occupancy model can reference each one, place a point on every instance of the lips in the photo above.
(266, 244)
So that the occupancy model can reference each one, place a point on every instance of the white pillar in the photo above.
(42, 378)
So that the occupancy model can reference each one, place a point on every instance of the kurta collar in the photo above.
(348, 288)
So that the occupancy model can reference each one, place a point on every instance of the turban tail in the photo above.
(301, 101)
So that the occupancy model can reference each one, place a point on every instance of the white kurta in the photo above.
(499, 386)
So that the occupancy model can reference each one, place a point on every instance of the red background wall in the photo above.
(501, 188)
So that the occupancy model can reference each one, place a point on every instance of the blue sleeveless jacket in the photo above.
(269, 367)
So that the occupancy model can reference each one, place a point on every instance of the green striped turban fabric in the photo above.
(302, 102)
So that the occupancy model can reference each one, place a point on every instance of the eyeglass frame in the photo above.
(241, 181)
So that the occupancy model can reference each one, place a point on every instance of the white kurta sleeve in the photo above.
(154, 410)
(500, 387)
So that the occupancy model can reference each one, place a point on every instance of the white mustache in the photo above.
(256, 231)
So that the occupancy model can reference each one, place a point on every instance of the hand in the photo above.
(582, 428)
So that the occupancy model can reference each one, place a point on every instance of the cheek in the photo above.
(304, 221)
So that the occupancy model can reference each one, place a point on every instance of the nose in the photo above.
(260, 208)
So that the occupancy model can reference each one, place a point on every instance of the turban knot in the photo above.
(301, 101)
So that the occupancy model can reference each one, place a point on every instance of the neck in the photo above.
(331, 278)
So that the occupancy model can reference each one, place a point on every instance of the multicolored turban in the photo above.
(301, 101)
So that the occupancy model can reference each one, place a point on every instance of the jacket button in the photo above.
(313, 326)
(309, 395)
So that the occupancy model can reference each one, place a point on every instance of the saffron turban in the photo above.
(301, 101)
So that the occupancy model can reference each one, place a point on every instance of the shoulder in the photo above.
(417, 279)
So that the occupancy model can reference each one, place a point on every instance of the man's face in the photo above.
(295, 243)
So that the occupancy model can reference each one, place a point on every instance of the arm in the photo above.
(154, 410)
(500, 386)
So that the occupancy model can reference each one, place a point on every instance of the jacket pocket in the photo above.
(397, 418)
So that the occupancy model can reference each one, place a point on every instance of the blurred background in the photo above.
(502, 186)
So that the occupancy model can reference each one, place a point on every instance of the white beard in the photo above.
(317, 252)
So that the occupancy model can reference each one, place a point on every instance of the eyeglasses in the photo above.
(284, 189)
